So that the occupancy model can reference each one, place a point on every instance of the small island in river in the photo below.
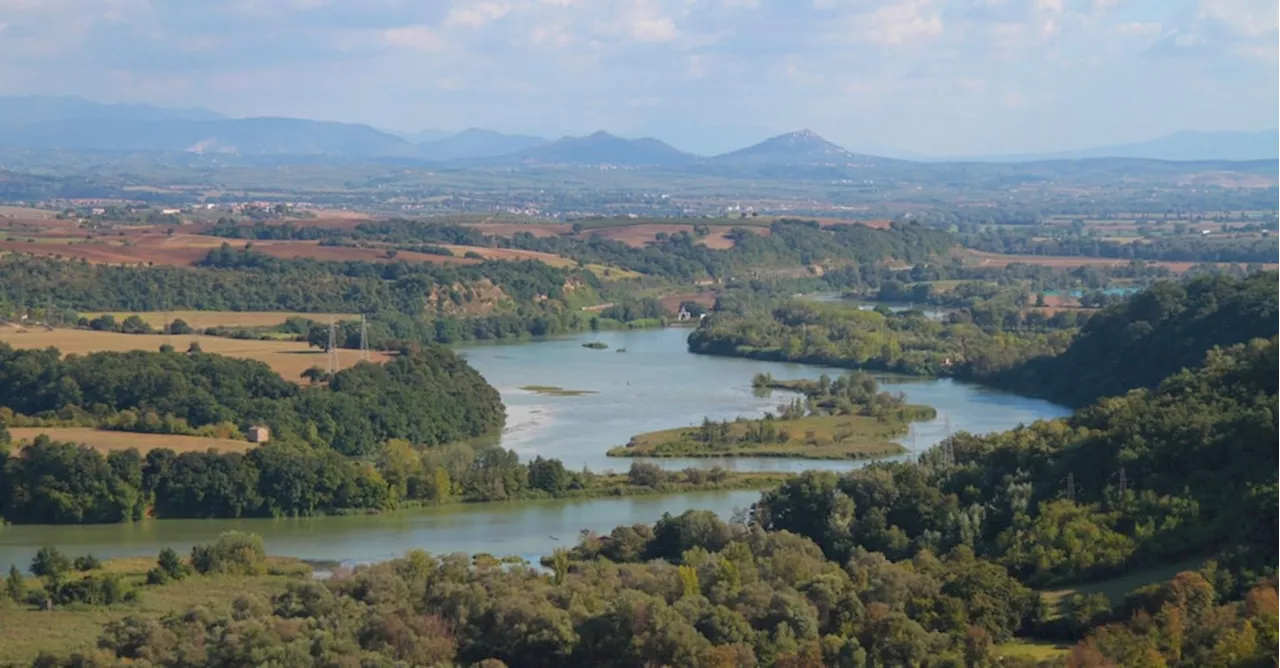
(555, 391)
(845, 418)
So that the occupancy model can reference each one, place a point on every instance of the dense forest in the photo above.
(679, 255)
(968, 345)
(427, 395)
(46, 482)
(1150, 336)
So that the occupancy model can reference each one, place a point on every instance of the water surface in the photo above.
(655, 384)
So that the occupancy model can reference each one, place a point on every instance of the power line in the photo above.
(364, 339)
(332, 350)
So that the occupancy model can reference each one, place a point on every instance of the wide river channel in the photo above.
(655, 384)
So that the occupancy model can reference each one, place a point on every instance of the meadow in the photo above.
(105, 441)
(206, 319)
(26, 631)
(813, 437)
(288, 358)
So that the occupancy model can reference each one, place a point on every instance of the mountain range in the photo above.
(76, 123)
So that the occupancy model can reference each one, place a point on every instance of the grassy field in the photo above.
(820, 437)
(205, 319)
(1114, 588)
(25, 632)
(1031, 650)
(288, 358)
(105, 441)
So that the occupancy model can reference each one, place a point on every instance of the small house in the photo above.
(259, 434)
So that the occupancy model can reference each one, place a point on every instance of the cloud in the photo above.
(937, 76)
(413, 38)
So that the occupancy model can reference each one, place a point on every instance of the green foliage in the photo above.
(15, 586)
(1151, 336)
(233, 553)
(835, 335)
(50, 564)
(427, 395)
(87, 562)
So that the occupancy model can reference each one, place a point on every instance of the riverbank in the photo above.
(830, 437)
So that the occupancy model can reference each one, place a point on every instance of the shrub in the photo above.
(646, 475)
(234, 553)
(87, 563)
(50, 563)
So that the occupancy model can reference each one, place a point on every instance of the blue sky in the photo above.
(935, 77)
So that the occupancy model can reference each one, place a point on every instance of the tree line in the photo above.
(427, 395)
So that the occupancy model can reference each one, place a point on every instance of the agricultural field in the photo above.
(288, 358)
(206, 319)
(986, 259)
(104, 440)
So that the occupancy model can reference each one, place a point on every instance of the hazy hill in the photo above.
(25, 110)
(602, 148)
(248, 136)
(1188, 145)
(803, 147)
(477, 143)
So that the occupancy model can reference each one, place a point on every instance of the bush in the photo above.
(97, 589)
(234, 553)
(171, 564)
(87, 563)
(50, 563)
(646, 475)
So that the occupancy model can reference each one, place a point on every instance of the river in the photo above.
(655, 384)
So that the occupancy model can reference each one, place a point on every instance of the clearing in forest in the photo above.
(105, 441)
(287, 358)
(205, 319)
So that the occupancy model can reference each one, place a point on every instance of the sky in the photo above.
(927, 77)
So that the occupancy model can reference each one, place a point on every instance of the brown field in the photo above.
(643, 233)
(105, 441)
(26, 212)
(148, 247)
(205, 319)
(671, 303)
(511, 254)
(288, 358)
(1071, 262)
(499, 229)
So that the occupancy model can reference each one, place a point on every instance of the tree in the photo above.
(14, 586)
(180, 326)
(194, 348)
(50, 564)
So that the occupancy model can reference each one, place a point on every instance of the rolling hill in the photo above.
(247, 136)
(477, 143)
(602, 148)
(1180, 146)
(26, 110)
(800, 148)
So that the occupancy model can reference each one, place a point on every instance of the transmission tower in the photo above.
(332, 349)
(364, 339)
(1071, 487)
(948, 449)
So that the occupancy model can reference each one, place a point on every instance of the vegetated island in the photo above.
(845, 418)
(596, 345)
(555, 391)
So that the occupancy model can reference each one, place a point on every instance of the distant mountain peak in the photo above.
(801, 147)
